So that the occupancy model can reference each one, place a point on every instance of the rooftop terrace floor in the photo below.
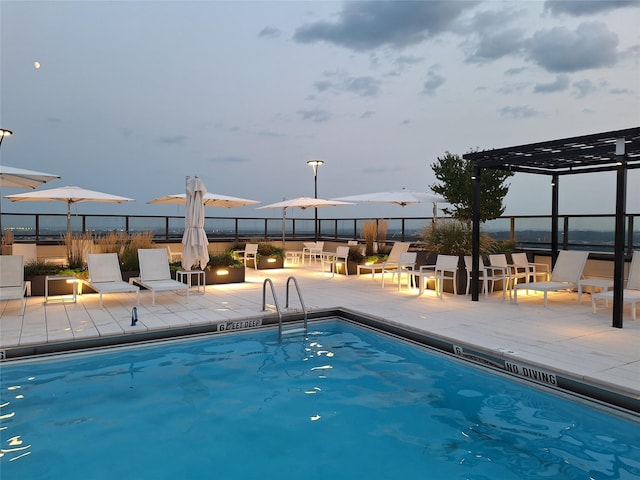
(563, 337)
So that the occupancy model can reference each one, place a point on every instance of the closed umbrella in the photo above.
(195, 250)
(70, 195)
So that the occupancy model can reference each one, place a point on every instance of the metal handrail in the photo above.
(304, 308)
(275, 301)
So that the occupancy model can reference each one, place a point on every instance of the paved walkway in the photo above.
(564, 337)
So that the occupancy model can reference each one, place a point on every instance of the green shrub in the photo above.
(226, 259)
(451, 237)
(270, 250)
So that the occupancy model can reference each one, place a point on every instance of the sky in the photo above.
(130, 97)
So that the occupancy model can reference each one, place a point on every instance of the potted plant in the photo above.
(224, 268)
(37, 271)
(270, 256)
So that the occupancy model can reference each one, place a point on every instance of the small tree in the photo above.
(454, 173)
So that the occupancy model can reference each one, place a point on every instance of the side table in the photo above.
(604, 285)
(182, 275)
(54, 278)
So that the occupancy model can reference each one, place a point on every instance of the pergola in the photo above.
(617, 151)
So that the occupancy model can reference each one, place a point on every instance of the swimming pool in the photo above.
(348, 402)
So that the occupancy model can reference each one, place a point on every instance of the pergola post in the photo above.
(554, 218)
(621, 201)
(475, 240)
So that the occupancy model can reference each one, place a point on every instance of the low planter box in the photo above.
(266, 263)
(222, 275)
(352, 267)
(58, 287)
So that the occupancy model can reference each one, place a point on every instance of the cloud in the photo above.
(620, 91)
(559, 84)
(497, 45)
(368, 25)
(558, 49)
(54, 120)
(368, 114)
(176, 139)
(487, 38)
(582, 88)
(432, 83)
(576, 9)
(341, 82)
(228, 159)
(269, 32)
(511, 88)
(315, 115)
(518, 112)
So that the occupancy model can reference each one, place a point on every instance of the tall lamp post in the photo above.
(314, 164)
(3, 133)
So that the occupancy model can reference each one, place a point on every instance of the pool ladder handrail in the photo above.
(275, 301)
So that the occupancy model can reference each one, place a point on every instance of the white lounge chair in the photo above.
(564, 276)
(392, 260)
(630, 294)
(445, 268)
(12, 284)
(155, 274)
(105, 276)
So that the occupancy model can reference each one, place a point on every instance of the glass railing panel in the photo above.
(104, 224)
(223, 228)
(251, 228)
(23, 227)
(305, 227)
(53, 227)
(595, 233)
(414, 228)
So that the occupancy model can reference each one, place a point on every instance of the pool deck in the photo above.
(563, 337)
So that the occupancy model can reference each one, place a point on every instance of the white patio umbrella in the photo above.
(194, 240)
(402, 197)
(21, 178)
(11, 177)
(305, 202)
(209, 200)
(302, 203)
(70, 195)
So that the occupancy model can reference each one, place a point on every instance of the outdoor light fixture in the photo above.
(314, 164)
(222, 272)
(620, 146)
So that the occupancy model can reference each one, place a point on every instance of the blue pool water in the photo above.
(346, 403)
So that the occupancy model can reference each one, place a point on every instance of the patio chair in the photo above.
(565, 275)
(397, 249)
(488, 274)
(445, 268)
(533, 270)
(28, 250)
(406, 265)
(631, 292)
(12, 284)
(155, 275)
(174, 252)
(511, 272)
(340, 257)
(313, 250)
(250, 254)
(105, 276)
